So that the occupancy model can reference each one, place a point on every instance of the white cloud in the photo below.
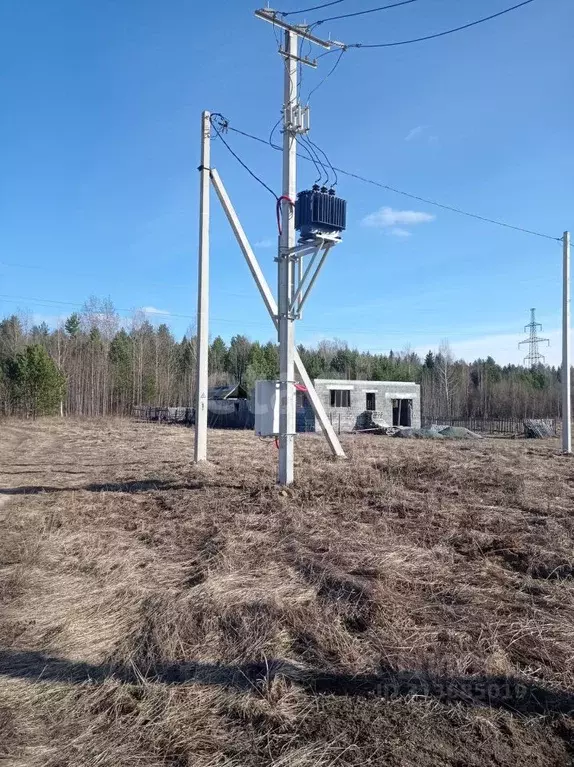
(51, 320)
(269, 243)
(153, 310)
(396, 220)
(414, 132)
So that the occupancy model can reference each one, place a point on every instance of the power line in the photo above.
(308, 145)
(387, 331)
(362, 13)
(447, 207)
(436, 204)
(314, 8)
(273, 129)
(329, 163)
(301, 67)
(305, 138)
(328, 75)
(223, 126)
(78, 305)
(311, 148)
(84, 275)
(440, 34)
(65, 271)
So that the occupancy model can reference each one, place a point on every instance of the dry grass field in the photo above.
(411, 606)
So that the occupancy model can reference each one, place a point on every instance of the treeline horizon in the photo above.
(96, 364)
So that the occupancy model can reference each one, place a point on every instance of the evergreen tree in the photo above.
(271, 352)
(260, 367)
(238, 357)
(36, 384)
(11, 336)
(108, 369)
(40, 334)
(72, 325)
(120, 357)
(217, 355)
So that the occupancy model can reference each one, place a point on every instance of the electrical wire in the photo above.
(273, 129)
(314, 8)
(315, 159)
(308, 146)
(285, 59)
(319, 165)
(441, 34)
(363, 13)
(301, 69)
(223, 126)
(128, 312)
(329, 163)
(233, 320)
(327, 76)
(436, 204)
(283, 198)
(90, 276)
(447, 207)
(313, 156)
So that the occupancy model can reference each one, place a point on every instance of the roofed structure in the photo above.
(229, 391)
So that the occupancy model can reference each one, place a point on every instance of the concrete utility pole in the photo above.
(566, 335)
(202, 379)
(295, 120)
(286, 264)
(294, 283)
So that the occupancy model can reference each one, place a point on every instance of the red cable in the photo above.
(278, 210)
(277, 442)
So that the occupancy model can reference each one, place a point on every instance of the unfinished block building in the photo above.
(354, 405)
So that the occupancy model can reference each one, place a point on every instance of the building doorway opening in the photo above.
(402, 412)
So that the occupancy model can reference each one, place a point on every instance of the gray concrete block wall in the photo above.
(357, 416)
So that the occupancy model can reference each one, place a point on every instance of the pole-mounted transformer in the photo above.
(319, 211)
(319, 216)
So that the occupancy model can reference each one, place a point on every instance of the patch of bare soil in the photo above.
(410, 606)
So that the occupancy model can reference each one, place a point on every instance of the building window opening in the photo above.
(371, 400)
(340, 398)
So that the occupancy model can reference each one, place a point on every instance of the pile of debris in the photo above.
(458, 432)
(437, 432)
(541, 428)
(538, 428)
(409, 433)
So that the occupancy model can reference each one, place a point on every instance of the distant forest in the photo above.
(95, 364)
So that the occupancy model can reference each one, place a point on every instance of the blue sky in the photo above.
(100, 145)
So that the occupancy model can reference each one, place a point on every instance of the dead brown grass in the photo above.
(411, 606)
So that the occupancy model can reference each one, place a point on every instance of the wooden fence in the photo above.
(164, 414)
(222, 414)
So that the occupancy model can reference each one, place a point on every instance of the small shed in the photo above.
(229, 407)
(228, 391)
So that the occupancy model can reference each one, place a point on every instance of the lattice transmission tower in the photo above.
(534, 358)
